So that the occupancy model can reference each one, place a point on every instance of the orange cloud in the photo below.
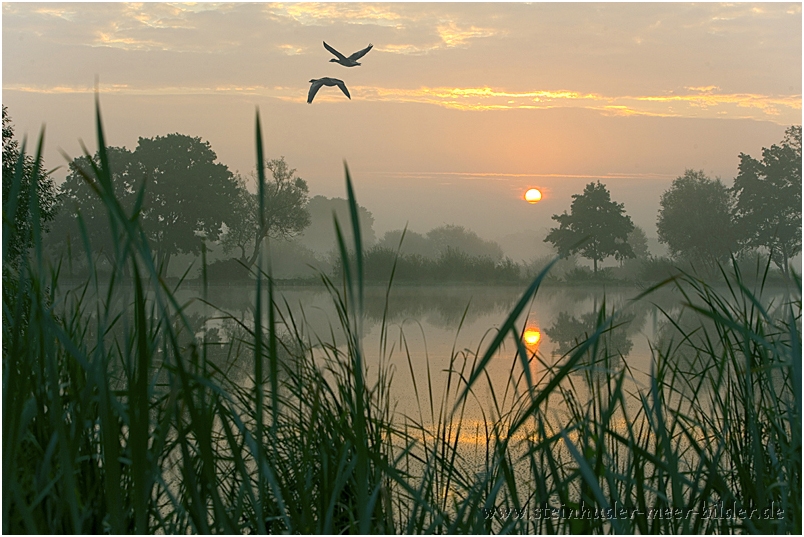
(452, 36)
(309, 13)
(704, 103)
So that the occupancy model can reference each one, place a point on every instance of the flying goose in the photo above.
(351, 61)
(326, 81)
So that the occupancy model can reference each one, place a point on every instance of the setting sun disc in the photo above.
(533, 195)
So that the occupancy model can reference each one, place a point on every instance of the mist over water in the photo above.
(427, 326)
(308, 338)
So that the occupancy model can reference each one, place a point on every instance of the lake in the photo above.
(430, 337)
(427, 326)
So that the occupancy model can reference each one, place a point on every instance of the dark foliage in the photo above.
(451, 266)
(596, 227)
(695, 219)
(284, 206)
(182, 195)
(44, 187)
(767, 211)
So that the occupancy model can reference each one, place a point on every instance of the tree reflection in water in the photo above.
(568, 331)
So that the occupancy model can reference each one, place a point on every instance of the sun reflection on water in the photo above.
(532, 336)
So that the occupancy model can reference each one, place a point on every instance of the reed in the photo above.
(120, 416)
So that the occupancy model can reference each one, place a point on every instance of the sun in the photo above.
(533, 195)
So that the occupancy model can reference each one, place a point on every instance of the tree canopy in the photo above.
(413, 244)
(320, 235)
(463, 240)
(76, 197)
(695, 219)
(284, 204)
(596, 227)
(768, 205)
(45, 191)
(638, 241)
(188, 195)
(438, 240)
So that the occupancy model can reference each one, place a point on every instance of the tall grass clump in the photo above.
(123, 413)
(116, 419)
(710, 443)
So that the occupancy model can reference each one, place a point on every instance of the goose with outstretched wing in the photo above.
(316, 84)
(351, 61)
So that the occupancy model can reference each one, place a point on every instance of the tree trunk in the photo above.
(253, 259)
(258, 241)
(594, 262)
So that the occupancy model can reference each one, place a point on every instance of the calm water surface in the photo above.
(433, 328)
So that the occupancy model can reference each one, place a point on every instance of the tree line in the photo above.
(446, 253)
(184, 197)
(701, 220)
(177, 189)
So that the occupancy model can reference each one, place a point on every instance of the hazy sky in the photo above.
(454, 113)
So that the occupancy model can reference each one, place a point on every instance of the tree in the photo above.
(638, 241)
(695, 219)
(188, 195)
(596, 227)
(320, 235)
(463, 240)
(768, 192)
(77, 197)
(45, 192)
(284, 202)
(413, 243)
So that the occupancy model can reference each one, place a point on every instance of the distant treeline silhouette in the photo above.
(185, 198)
(702, 221)
(451, 265)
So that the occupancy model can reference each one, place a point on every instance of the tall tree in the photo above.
(77, 197)
(596, 227)
(45, 192)
(695, 219)
(768, 191)
(285, 212)
(188, 194)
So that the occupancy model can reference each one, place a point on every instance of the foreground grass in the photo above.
(119, 416)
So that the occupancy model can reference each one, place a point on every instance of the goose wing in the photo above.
(360, 53)
(314, 87)
(341, 85)
(335, 52)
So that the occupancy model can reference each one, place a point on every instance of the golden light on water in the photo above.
(533, 195)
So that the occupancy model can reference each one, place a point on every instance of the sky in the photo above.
(455, 112)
